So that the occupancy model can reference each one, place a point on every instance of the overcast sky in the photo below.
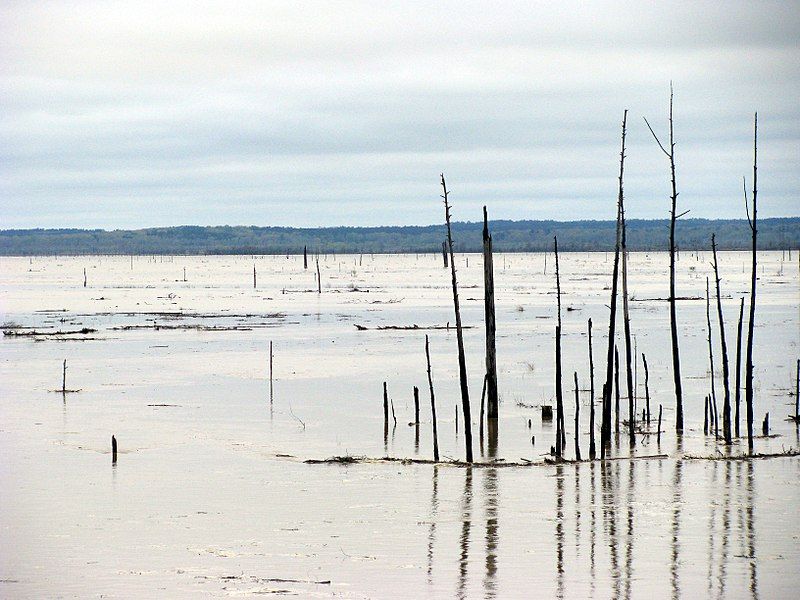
(136, 114)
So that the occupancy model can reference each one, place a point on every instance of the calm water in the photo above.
(210, 496)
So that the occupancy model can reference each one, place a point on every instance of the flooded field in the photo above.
(210, 495)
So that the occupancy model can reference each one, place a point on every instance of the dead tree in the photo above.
(433, 402)
(254, 277)
(711, 362)
(462, 363)
(319, 278)
(626, 320)
(559, 400)
(592, 449)
(616, 390)
(113, 450)
(646, 389)
(488, 306)
(748, 377)
(605, 435)
(444, 255)
(726, 406)
(673, 319)
(577, 420)
(559, 412)
(305, 257)
(738, 391)
(84, 276)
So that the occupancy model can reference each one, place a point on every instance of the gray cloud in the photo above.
(320, 113)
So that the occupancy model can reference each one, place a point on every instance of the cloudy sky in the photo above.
(136, 114)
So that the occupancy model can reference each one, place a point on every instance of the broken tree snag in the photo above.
(305, 257)
(738, 391)
(646, 389)
(711, 364)
(705, 415)
(385, 407)
(726, 406)
(605, 437)
(626, 322)
(488, 306)
(658, 437)
(444, 255)
(84, 276)
(270, 370)
(416, 405)
(433, 402)
(748, 369)
(559, 400)
(254, 277)
(592, 449)
(765, 425)
(64, 377)
(673, 320)
(462, 363)
(319, 278)
(480, 420)
(616, 390)
(577, 420)
(113, 450)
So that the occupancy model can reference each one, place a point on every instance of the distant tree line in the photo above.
(508, 236)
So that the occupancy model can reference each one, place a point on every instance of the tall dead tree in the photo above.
(713, 404)
(577, 420)
(462, 363)
(592, 449)
(673, 319)
(748, 369)
(726, 406)
(605, 432)
(488, 307)
(626, 320)
(559, 405)
(738, 391)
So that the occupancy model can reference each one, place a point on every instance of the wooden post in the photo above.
(577, 420)
(765, 425)
(64, 377)
(305, 257)
(705, 415)
(488, 307)
(592, 449)
(184, 274)
(738, 391)
(113, 450)
(84, 276)
(748, 379)
(385, 407)
(726, 406)
(646, 389)
(462, 363)
(673, 319)
(433, 402)
(559, 404)
(416, 405)
(254, 277)
(606, 429)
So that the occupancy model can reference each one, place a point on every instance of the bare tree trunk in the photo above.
(616, 390)
(577, 420)
(305, 257)
(559, 401)
(254, 277)
(738, 391)
(592, 449)
(462, 363)
(559, 415)
(433, 402)
(748, 380)
(673, 320)
(711, 361)
(488, 305)
(605, 437)
(319, 278)
(444, 254)
(726, 406)
(626, 320)
(646, 389)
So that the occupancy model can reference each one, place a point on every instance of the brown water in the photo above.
(210, 496)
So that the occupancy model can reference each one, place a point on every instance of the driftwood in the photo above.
(35, 333)
(413, 327)
(356, 460)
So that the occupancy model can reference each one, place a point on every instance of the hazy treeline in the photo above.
(508, 236)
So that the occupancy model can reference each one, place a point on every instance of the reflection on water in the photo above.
(466, 522)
